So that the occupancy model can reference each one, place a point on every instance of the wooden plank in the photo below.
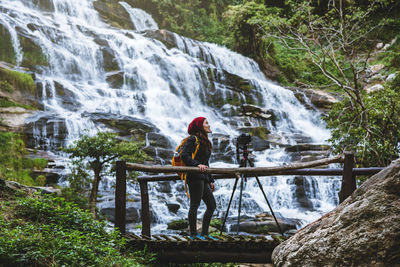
(348, 179)
(145, 212)
(120, 196)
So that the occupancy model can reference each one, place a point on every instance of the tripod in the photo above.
(243, 163)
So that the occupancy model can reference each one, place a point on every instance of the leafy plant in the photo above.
(97, 154)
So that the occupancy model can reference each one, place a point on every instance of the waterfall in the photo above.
(97, 72)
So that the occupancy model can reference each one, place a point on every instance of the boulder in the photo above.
(164, 36)
(113, 13)
(13, 118)
(318, 98)
(362, 231)
(173, 207)
(373, 88)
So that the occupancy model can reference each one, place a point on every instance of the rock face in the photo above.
(363, 231)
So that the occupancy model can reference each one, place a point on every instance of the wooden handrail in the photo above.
(308, 172)
(245, 170)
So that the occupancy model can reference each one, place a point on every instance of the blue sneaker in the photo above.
(212, 238)
(198, 236)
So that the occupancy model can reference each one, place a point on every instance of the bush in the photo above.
(57, 233)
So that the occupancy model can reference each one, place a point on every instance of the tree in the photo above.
(339, 38)
(98, 154)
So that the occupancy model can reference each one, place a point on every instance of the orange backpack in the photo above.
(177, 160)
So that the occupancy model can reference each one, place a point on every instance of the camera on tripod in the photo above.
(243, 140)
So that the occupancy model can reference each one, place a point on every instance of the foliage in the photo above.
(97, 154)
(51, 232)
(330, 44)
(14, 163)
(198, 19)
(379, 146)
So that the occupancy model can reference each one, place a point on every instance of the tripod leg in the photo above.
(229, 205)
(240, 203)
(270, 208)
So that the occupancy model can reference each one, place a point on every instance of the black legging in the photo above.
(200, 189)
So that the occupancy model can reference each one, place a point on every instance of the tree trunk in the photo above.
(93, 193)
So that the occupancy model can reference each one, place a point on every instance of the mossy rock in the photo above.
(178, 224)
(7, 53)
(16, 80)
(33, 54)
(113, 13)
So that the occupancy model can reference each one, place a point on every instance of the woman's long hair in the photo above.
(203, 137)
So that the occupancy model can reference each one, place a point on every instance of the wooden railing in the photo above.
(348, 174)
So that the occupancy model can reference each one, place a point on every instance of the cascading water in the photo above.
(97, 73)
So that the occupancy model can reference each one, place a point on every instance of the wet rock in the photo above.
(159, 140)
(307, 147)
(110, 62)
(361, 231)
(68, 99)
(115, 79)
(45, 5)
(45, 131)
(262, 224)
(125, 125)
(159, 153)
(173, 207)
(113, 13)
(259, 144)
(306, 156)
(300, 193)
(258, 112)
(178, 224)
(164, 187)
(318, 98)
(164, 36)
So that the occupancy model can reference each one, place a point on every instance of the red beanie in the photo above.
(196, 125)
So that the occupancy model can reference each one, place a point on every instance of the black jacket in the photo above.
(202, 157)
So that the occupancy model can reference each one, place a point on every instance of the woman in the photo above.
(201, 185)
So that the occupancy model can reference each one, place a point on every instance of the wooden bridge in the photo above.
(237, 248)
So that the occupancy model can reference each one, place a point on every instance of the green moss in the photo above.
(5, 103)
(260, 132)
(17, 80)
(178, 224)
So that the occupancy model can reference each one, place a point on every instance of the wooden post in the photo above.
(349, 179)
(145, 213)
(120, 196)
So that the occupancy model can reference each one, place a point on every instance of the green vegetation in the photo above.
(202, 20)
(14, 80)
(48, 231)
(5, 103)
(14, 163)
(97, 154)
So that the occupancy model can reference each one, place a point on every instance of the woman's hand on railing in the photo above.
(202, 167)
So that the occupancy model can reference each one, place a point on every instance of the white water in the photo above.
(170, 87)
